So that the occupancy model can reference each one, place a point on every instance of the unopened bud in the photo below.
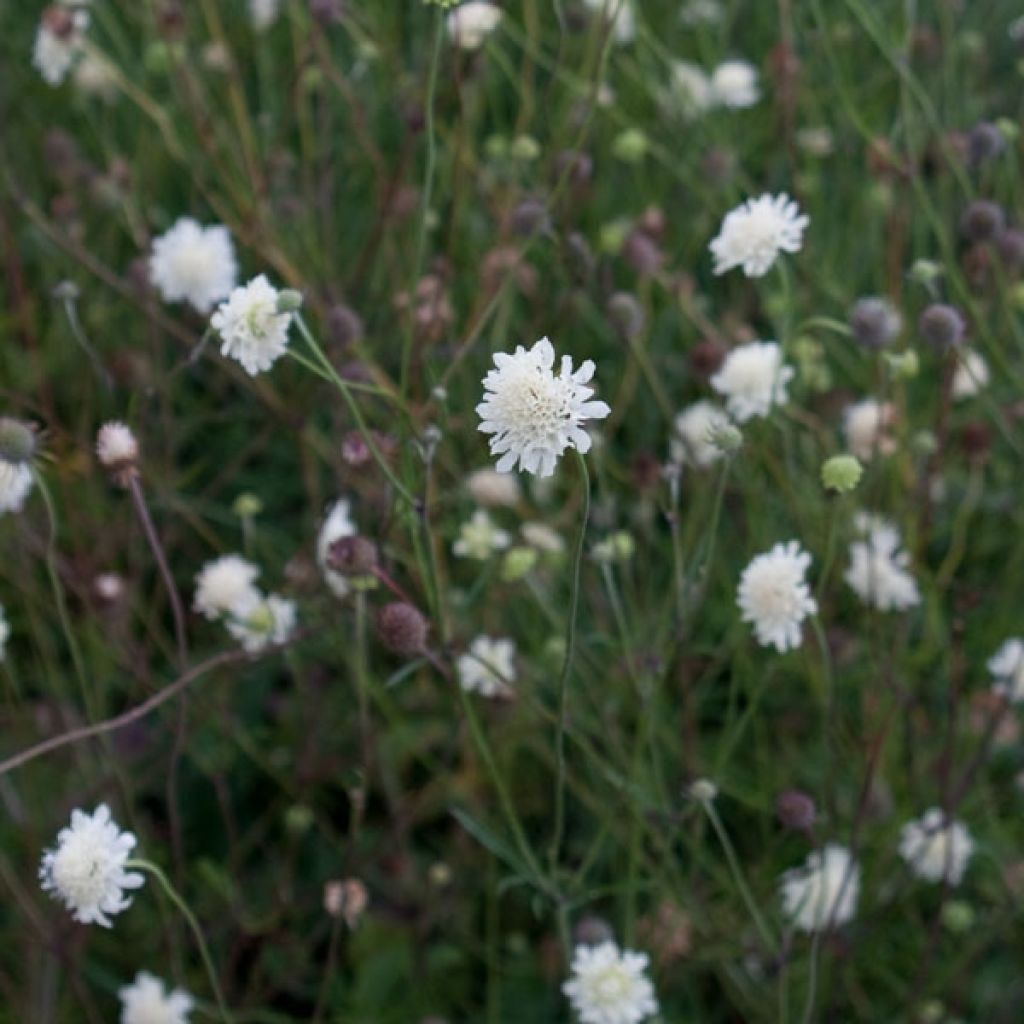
(289, 301)
(18, 442)
(841, 473)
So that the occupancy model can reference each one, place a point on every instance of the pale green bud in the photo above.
(841, 473)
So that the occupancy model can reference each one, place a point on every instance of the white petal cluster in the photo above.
(337, 525)
(480, 537)
(148, 1001)
(116, 445)
(753, 234)
(194, 264)
(490, 488)
(251, 328)
(752, 379)
(259, 622)
(263, 13)
(774, 597)
(866, 425)
(824, 892)
(533, 413)
(86, 870)
(1007, 669)
(15, 483)
(734, 84)
(488, 667)
(878, 566)
(59, 40)
(937, 848)
(224, 584)
(471, 23)
(692, 440)
(971, 375)
(5, 633)
(621, 14)
(610, 986)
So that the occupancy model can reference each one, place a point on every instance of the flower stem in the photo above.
(175, 897)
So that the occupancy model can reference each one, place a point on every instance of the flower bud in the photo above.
(726, 437)
(517, 563)
(841, 473)
(630, 146)
(344, 327)
(352, 556)
(626, 314)
(402, 629)
(289, 300)
(982, 221)
(1010, 246)
(592, 931)
(903, 365)
(795, 810)
(703, 790)
(985, 143)
(941, 326)
(18, 442)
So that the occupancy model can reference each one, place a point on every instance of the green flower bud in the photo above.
(630, 146)
(841, 473)
(613, 235)
(924, 443)
(926, 272)
(518, 561)
(17, 441)
(298, 819)
(524, 148)
(247, 506)
(289, 300)
(902, 365)
(726, 437)
(958, 916)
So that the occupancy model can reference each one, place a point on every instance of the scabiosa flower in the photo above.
(225, 584)
(734, 84)
(533, 413)
(692, 440)
(753, 235)
(252, 329)
(488, 667)
(1007, 668)
(58, 42)
(194, 264)
(752, 379)
(689, 88)
(147, 1001)
(480, 538)
(15, 483)
(257, 622)
(773, 595)
(941, 326)
(865, 425)
(118, 450)
(937, 848)
(878, 566)
(263, 13)
(824, 892)
(337, 525)
(610, 986)
(471, 23)
(87, 869)
(971, 375)
(490, 488)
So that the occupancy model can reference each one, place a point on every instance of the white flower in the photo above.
(87, 869)
(609, 986)
(488, 667)
(624, 26)
(116, 445)
(252, 329)
(865, 425)
(690, 88)
(194, 264)
(753, 234)
(971, 374)
(823, 893)
(937, 848)
(773, 595)
(479, 537)
(224, 584)
(5, 633)
(147, 1001)
(15, 483)
(542, 538)
(263, 13)
(752, 379)
(734, 84)
(533, 414)
(489, 487)
(1007, 668)
(94, 76)
(691, 441)
(257, 622)
(471, 23)
(58, 42)
(878, 567)
(337, 524)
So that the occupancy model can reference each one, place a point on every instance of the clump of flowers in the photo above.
(610, 986)
(535, 414)
(754, 234)
(1007, 669)
(488, 667)
(878, 566)
(87, 868)
(774, 597)
(147, 1000)
(823, 893)
(252, 326)
(194, 264)
(936, 847)
(752, 379)
(480, 537)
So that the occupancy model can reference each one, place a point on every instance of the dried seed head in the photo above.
(626, 315)
(402, 629)
(352, 556)
(796, 810)
(982, 221)
(344, 326)
(875, 322)
(642, 253)
(592, 931)
(941, 326)
(530, 217)
(18, 441)
(1010, 246)
(985, 142)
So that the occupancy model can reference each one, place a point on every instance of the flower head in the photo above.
(489, 487)
(117, 448)
(471, 23)
(263, 13)
(971, 374)
(1007, 669)
(86, 870)
(479, 537)
(823, 893)
(610, 986)
(773, 595)
(752, 379)
(753, 235)
(15, 483)
(488, 667)
(337, 525)
(689, 88)
(224, 584)
(194, 264)
(5, 632)
(692, 441)
(533, 413)
(734, 84)
(936, 847)
(58, 42)
(878, 567)
(257, 622)
(866, 424)
(251, 328)
(874, 322)
(147, 1001)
